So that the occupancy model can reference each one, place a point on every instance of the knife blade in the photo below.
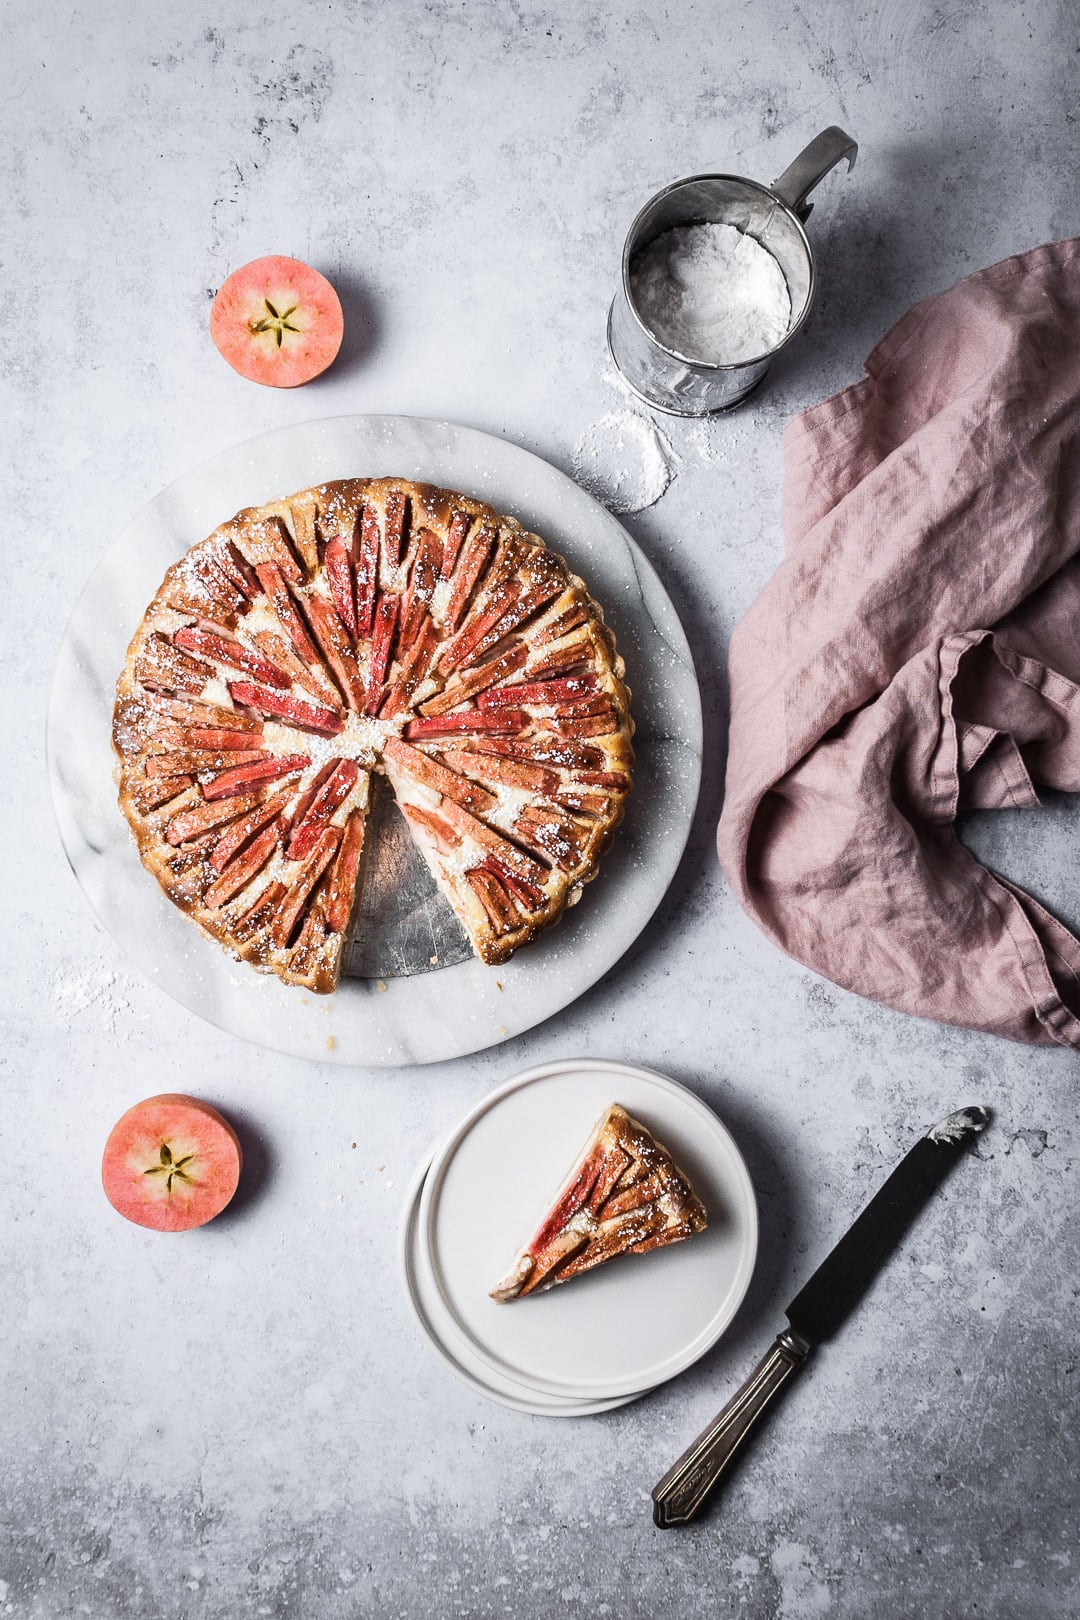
(819, 1309)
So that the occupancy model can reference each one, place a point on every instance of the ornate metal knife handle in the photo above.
(688, 1482)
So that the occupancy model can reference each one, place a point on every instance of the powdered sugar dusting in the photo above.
(76, 989)
(624, 461)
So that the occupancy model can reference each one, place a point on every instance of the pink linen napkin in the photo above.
(917, 651)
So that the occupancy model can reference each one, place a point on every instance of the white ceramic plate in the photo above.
(626, 1326)
(423, 1300)
(461, 1008)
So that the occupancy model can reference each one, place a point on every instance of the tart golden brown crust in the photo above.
(625, 1195)
(370, 625)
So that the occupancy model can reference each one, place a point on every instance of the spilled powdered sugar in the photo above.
(78, 988)
(624, 461)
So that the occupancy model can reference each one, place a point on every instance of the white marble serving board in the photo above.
(463, 1007)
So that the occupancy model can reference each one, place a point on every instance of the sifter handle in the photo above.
(812, 165)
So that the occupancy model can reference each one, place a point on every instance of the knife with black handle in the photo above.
(818, 1310)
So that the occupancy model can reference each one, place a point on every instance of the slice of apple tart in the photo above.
(625, 1195)
(370, 626)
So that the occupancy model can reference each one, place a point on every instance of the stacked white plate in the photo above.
(616, 1332)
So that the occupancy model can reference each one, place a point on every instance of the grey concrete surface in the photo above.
(244, 1422)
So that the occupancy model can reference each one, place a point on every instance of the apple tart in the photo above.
(360, 627)
(625, 1195)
